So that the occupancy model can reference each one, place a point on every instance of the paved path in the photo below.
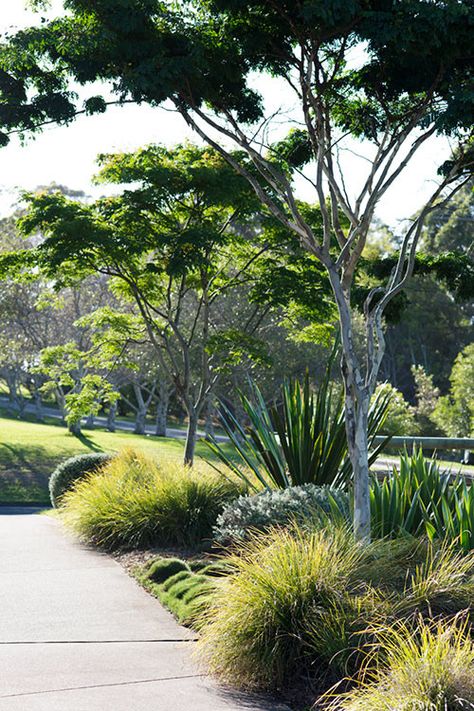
(77, 634)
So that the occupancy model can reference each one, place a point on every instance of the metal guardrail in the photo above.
(465, 443)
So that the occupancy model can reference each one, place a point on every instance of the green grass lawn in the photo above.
(29, 452)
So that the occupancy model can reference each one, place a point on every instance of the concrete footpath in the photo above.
(77, 634)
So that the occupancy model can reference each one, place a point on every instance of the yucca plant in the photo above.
(410, 497)
(301, 442)
(420, 498)
(453, 518)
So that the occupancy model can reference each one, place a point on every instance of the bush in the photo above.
(400, 417)
(427, 668)
(137, 501)
(420, 498)
(66, 474)
(163, 568)
(301, 603)
(257, 630)
(185, 593)
(277, 508)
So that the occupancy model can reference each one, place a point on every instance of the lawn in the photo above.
(29, 451)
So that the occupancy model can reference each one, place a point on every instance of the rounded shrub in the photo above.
(66, 474)
(277, 508)
(302, 603)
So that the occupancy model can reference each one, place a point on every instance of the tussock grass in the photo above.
(257, 632)
(304, 602)
(136, 501)
(426, 667)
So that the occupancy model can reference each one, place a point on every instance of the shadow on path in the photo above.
(20, 510)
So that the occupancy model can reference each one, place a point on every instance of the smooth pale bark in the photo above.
(357, 440)
(140, 421)
(38, 405)
(142, 410)
(209, 423)
(191, 438)
(357, 395)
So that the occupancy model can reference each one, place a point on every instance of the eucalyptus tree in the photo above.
(393, 74)
(167, 244)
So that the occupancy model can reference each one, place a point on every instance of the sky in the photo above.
(66, 154)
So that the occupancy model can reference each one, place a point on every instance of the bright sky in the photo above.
(66, 155)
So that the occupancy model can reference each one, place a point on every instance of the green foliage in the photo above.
(423, 666)
(403, 501)
(427, 396)
(204, 53)
(302, 605)
(301, 442)
(137, 501)
(78, 376)
(454, 413)
(256, 631)
(185, 593)
(161, 569)
(400, 416)
(420, 499)
(281, 507)
(67, 474)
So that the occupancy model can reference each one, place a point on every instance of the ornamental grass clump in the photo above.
(301, 602)
(136, 501)
(257, 632)
(427, 666)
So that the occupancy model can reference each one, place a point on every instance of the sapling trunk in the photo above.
(191, 438)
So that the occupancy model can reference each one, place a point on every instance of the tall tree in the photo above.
(169, 247)
(393, 74)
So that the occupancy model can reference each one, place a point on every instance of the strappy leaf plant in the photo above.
(300, 441)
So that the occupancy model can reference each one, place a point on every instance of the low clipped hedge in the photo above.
(277, 508)
(185, 589)
(66, 474)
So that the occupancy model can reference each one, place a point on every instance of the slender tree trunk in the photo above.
(75, 428)
(90, 421)
(111, 415)
(357, 441)
(38, 405)
(357, 396)
(140, 421)
(162, 412)
(142, 409)
(191, 437)
(14, 404)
